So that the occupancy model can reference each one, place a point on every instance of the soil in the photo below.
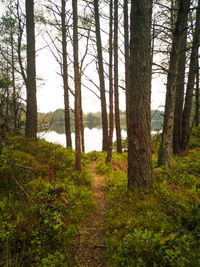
(90, 244)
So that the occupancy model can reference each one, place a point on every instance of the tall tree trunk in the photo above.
(190, 85)
(167, 134)
(197, 96)
(109, 152)
(31, 112)
(14, 97)
(65, 76)
(101, 77)
(116, 89)
(180, 85)
(77, 88)
(139, 130)
(126, 54)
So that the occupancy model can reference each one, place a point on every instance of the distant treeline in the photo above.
(92, 120)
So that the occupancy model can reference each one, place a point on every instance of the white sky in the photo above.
(50, 90)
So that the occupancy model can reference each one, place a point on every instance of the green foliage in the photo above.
(43, 202)
(160, 226)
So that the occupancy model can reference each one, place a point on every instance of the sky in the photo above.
(50, 89)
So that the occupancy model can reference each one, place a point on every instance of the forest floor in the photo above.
(90, 243)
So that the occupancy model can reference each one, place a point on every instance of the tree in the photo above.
(116, 89)
(65, 75)
(110, 138)
(101, 77)
(179, 99)
(77, 82)
(167, 134)
(126, 55)
(186, 128)
(139, 130)
(31, 112)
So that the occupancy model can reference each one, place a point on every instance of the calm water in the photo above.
(93, 138)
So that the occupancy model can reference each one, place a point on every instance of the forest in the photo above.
(136, 203)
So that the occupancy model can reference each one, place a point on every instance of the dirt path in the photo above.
(90, 244)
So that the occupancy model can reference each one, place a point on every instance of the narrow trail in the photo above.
(90, 243)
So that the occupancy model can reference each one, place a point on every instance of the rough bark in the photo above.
(180, 85)
(197, 97)
(126, 55)
(139, 130)
(116, 89)
(31, 112)
(111, 122)
(190, 84)
(77, 82)
(65, 76)
(101, 77)
(167, 134)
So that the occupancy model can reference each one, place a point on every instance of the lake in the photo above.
(93, 138)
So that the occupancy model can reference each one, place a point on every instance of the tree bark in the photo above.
(65, 76)
(190, 85)
(180, 85)
(77, 89)
(116, 89)
(139, 130)
(101, 77)
(167, 134)
(31, 112)
(110, 137)
(197, 97)
(126, 55)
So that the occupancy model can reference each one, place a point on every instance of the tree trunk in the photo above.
(197, 97)
(190, 85)
(116, 89)
(180, 85)
(101, 77)
(77, 81)
(65, 76)
(110, 138)
(31, 112)
(126, 54)
(139, 130)
(167, 134)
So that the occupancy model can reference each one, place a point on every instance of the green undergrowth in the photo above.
(159, 226)
(43, 201)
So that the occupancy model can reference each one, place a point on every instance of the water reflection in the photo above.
(93, 138)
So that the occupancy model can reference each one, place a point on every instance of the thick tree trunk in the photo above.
(190, 85)
(180, 85)
(197, 97)
(116, 89)
(179, 31)
(77, 81)
(101, 77)
(126, 54)
(109, 152)
(139, 130)
(65, 77)
(31, 112)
